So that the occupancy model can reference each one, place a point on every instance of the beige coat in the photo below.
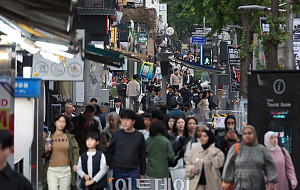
(133, 88)
(213, 159)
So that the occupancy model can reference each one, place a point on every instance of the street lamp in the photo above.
(253, 7)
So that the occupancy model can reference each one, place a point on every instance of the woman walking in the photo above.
(204, 105)
(61, 156)
(195, 140)
(248, 167)
(203, 163)
(283, 162)
(159, 153)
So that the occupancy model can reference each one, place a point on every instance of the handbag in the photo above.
(237, 147)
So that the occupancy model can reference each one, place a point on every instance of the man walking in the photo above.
(83, 125)
(185, 93)
(69, 111)
(133, 92)
(127, 151)
(122, 92)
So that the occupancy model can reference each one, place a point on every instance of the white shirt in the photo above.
(102, 163)
(118, 110)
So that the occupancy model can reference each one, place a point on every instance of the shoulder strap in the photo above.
(282, 151)
(237, 147)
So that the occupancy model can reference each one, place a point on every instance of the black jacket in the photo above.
(185, 79)
(114, 109)
(186, 95)
(120, 89)
(169, 100)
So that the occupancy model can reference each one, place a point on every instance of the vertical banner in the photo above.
(234, 68)
(201, 54)
(146, 70)
(7, 90)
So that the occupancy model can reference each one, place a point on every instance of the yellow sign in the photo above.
(114, 34)
(122, 2)
(4, 118)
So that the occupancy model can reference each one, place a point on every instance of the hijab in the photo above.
(267, 141)
(210, 141)
(255, 141)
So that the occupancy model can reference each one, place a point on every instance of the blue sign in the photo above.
(27, 87)
(198, 40)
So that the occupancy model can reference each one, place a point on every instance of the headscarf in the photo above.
(255, 141)
(267, 141)
(210, 141)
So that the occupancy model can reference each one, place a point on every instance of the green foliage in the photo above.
(180, 20)
(280, 67)
(242, 42)
(114, 92)
(197, 75)
(277, 34)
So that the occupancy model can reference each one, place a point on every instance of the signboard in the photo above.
(233, 55)
(218, 121)
(27, 87)
(296, 39)
(234, 68)
(143, 37)
(235, 78)
(273, 105)
(123, 32)
(122, 2)
(264, 26)
(146, 70)
(198, 40)
(48, 70)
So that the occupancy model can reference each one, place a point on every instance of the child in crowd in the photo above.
(92, 165)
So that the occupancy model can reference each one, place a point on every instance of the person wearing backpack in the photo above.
(283, 162)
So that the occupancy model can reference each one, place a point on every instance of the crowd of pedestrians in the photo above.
(155, 149)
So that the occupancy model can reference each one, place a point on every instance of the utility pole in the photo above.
(289, 51)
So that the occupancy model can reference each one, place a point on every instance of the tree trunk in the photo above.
(272, 62)
(247, 60)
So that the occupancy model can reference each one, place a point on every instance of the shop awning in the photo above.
(103, 56)
(132, 55)
(196, 66)
(57, 17)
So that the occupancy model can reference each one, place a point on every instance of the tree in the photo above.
(220, 13)
(181, 22)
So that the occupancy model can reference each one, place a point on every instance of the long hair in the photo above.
(186, 130)
(52, 127)
(195, 137)
(255, 141)
(174, 130)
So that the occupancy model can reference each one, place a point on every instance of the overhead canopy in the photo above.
(132, 55)
(56, 16)
(103, 56)
(196, 66)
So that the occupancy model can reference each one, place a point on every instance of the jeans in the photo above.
(126, 177)
(59, 178)
(134, 104)
(144, 85)
(110, 175)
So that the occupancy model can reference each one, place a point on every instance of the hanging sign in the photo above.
(143, 37)
(146, 70)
